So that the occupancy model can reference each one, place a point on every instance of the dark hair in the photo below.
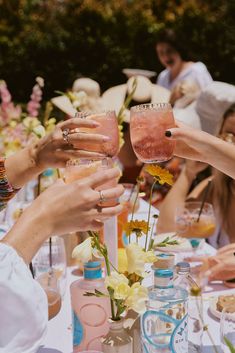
(230, 111)
(169, 36)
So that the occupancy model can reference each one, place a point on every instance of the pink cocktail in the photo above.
(148, 124)
(108, 127)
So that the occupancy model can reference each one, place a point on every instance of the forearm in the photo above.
(30, 231)
(175, 197)
(22, 167)
(221, 155)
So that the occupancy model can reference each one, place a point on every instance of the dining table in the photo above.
(58, 338)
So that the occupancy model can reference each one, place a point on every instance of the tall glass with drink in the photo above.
(148, 124)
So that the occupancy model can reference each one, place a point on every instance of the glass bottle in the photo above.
(90, 314)
(117, 339)
(184, 280)
(164, 324)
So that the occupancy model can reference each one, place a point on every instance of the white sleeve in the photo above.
(202, 75)
(23, 305)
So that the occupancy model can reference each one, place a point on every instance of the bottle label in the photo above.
(78, 331)
(179, 339)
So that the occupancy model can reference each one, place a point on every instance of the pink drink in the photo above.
(108, 127)
(90, 314)
(147, 127)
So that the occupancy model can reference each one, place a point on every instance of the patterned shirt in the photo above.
(6, 190)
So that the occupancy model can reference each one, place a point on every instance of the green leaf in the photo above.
(229, 344)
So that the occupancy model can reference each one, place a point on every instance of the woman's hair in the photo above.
(222, 184)
(169, 36)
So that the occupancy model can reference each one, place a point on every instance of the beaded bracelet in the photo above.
(7, 191)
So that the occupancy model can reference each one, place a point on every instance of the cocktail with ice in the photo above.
(148, 124)
(108, 126)
(190, 225)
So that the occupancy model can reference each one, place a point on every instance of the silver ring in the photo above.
(102, 198)
(65, 134)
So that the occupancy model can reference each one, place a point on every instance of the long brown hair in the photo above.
(222, 192)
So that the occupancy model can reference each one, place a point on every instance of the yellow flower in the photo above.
(137, 227)
(137, 298)
(115, 279)
(83, 251)
(137, 258)
(121, 291)
(162, 175)
(30, 122)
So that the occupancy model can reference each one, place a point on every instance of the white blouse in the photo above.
(23, 305)
(197, 72)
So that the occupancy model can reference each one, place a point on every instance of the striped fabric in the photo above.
(6, 190)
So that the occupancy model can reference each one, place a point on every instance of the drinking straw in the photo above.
(50, 252)
(204, 199)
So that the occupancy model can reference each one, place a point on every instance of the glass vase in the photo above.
(132, 326)
(117, 339)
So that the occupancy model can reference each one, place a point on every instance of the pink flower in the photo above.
(33, 105)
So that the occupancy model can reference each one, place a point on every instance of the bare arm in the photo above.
(201, 146)
(52, 151)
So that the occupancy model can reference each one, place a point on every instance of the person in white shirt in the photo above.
(178, 67)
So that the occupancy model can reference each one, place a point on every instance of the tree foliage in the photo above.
(64, 39)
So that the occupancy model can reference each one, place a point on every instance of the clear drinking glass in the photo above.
(80, 168)
(43, 264)
(50, 284)
(108, 127)
(148, 123)
(227, 328)
(190, 225)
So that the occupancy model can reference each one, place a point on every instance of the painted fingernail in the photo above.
(95, 123)
(106, 138)
(168, 133)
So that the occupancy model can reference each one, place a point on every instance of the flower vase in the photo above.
(132, 326)
(117, 339)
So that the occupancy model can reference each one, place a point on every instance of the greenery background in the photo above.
(61, 40)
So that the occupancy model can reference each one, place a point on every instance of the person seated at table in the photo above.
(23, 304)
(179, 69)
(221, 195)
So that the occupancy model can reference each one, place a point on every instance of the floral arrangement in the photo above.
(139, 228)
(125, 289)
(18, 127)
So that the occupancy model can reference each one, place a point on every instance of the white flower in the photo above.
(121, 291)
(83, 251)
(39, 131)
(137, 297)
(137, 258)
(114, 279)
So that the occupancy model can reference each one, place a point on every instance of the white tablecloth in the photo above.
(59, 335)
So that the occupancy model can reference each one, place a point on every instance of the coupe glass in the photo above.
(108, 127)
(44, 265)
(148, 123)
(227, 328)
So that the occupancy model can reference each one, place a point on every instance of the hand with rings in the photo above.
(55, 149)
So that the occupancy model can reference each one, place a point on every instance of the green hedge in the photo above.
(64, 39)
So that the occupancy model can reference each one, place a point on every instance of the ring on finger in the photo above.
(102, 198)
(65, 134)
